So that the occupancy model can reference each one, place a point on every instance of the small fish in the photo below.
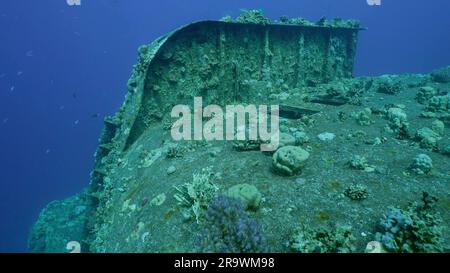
(19, 73)
(47, 151)
(76, 122)
(5, 120)
(95, 115)
(29, 53)
(12, 88)
(2, 75)
(74, 95)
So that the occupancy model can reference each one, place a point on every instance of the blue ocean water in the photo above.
(63, 68)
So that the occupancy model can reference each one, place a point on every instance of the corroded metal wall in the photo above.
(232, 62)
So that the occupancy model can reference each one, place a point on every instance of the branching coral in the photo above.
(197, 194)
(323, 240)
(398, 122)
(229, 228)
(388, 85)
(415, 229)
(253, 17)
(356, 192)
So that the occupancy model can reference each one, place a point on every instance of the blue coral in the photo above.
(228, 228)
(415, 229)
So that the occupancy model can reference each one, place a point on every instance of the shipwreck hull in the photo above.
(233, 62)
(223, 63)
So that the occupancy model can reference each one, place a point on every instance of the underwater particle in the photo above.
(19, 73)
(374, 247)
(326, 136)
(289, 160)
(29, 53)
(158, 200)
(323, 240)
(47, 151)
(5, 120)
(76, 122)
(2, 75)
(171, 170)
(422, 164)
(441, 75)
(246, 193)
(12, 88)
(357, 192)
